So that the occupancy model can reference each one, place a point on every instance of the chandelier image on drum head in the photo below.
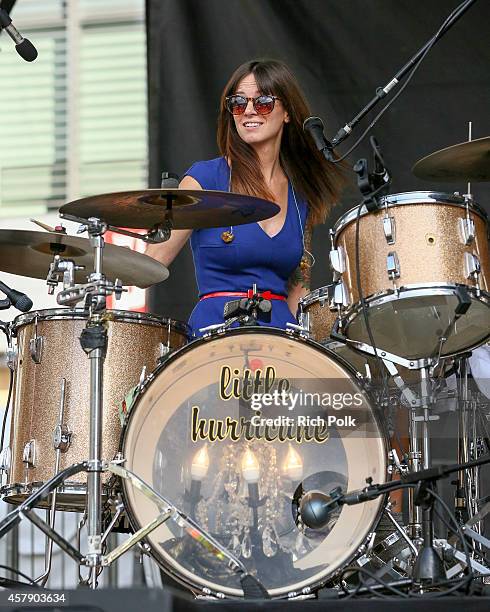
(232, 429)
(425, 274)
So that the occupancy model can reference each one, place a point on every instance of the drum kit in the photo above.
(202, 451)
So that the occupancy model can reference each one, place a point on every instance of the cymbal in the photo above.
(467, 161)
(180, 208)
(29, 253)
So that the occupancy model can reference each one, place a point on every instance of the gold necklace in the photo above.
(228, 236)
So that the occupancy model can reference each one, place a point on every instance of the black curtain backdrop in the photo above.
(341, 51)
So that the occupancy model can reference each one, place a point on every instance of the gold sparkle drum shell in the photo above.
(317, 313)
(204, 434)
(51, 370)
(422, 254)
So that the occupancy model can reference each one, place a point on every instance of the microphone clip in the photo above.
(372, 185)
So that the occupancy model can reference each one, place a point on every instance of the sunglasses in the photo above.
(263, 105)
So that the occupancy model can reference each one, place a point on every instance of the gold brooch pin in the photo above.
(227, 236)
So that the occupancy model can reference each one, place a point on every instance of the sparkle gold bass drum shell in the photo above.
(232, 429)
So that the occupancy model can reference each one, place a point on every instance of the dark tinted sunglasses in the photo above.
(263, 105)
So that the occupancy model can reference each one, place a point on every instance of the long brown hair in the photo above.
(318, 181)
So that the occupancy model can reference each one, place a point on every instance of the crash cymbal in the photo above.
(29, 253)
(180, 208)
(467, 161)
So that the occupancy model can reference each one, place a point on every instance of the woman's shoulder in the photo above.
(210, 173)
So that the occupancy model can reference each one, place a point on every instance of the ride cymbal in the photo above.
(175, 208)
(467, 161)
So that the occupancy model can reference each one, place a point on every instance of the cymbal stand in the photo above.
(418, 421)
(94, 343)
(470, 446)
(165, 510)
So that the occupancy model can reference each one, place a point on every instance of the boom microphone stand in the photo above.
(315, 124)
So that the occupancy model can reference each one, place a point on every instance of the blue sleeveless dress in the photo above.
(252, 257)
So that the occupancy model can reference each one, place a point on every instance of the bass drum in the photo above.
(229, 430)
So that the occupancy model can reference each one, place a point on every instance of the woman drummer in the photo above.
(266, 154)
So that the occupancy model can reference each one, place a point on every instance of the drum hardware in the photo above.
(389, 227)
(36, 345)
(61, 442)
(395, 464)
(451, 553)
(67, 268)
(419, 417)
(244, 311)
(393, 268)
(29, 455)
(428, 567)
(165, 510)
(470, 446)
(337, 260)
(31, 253)
(467, 226)
(473, 269)
(249, 310)
(302, 330)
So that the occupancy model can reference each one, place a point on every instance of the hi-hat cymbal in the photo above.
(179, 208)
(29, 253)
(467, 161)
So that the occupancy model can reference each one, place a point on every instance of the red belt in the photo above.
(267, 295)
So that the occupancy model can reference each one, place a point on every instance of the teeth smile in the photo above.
(251, 124)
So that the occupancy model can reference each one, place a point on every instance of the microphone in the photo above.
(5, 304)
(316, 508)
(23, 46)
(314, 126)
(19, 300)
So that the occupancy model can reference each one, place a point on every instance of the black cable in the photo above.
(464, 582)
(354, 569)
(444, 521)
(433, 41)
(364, 306)
(19, 573)
(457, 584)
(7, 406)
(461, 535)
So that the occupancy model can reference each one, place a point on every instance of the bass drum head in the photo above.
(197, 438)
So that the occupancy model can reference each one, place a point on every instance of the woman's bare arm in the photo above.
(166, 252)
(300, 279)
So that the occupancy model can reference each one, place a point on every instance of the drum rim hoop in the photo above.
(314, 296)
(405, 198)
(76, 314)
(390, 295)
(386, 297)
